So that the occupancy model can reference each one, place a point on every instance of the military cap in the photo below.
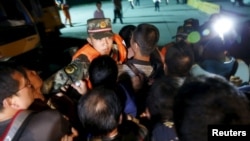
(99, 27)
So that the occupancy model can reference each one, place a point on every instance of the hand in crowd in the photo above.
(70, 137)
(80, 86)
(235, 80)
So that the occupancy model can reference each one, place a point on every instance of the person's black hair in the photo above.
(180, 61)
(126, 33)
(99, 111)
(8, 85)
(160, 99)
(98, 2)
(158, 66)
(203, 101)
(103, 70)
(146, 36)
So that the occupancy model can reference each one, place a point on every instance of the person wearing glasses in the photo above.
(16, 93)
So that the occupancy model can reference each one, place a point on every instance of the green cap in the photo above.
(99, 27)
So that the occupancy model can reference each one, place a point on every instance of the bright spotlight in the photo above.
(223, 25)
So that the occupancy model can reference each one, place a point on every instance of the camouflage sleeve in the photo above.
(76, 70)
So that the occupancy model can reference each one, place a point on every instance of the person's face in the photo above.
(36, 82)
(23, 98)
(103, 45)
(99, 6)
(34, 78)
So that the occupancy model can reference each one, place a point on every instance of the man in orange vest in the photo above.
(101, 41)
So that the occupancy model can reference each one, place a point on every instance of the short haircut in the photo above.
(180, 61)
(126, 33)
(98, 2)
(214, 48)
(8, 85)
(99, 111)
(203, 101)
(146, 36)
(161, 98)
(103, 71)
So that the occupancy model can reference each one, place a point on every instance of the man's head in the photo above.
(15, 89)
(145, 37)
(100, 111)
(187, 32)
(214, 49)
(100, 34)
(179, 60)
(126, 33)
(98, 4)
(203, 101)
(160, 99)
(103, 71)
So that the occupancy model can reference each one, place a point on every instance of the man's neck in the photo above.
(143, 58)
(7, 114)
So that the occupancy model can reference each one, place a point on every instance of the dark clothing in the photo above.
(117, 14)
(129, 106)
(48, 125)
(128, 131)
(164, 132)
(137, 2)
(157, 5)
(218, 67)
(117, 11)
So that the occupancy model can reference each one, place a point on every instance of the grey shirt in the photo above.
(48, 125)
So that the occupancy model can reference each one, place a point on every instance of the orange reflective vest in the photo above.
(165, 48)
(119, 52)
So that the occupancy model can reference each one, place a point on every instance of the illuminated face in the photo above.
(36, 82)
(103, 45)
(24, 97)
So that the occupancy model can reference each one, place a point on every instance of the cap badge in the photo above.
(103, 24)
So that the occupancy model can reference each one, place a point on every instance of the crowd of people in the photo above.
(124, 87)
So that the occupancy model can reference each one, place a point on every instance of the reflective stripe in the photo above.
(16, 124)
(99, 30)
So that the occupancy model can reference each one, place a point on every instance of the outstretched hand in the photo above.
(71, 136)
(81, 87)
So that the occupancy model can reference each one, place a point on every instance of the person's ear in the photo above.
(136, 46)
(89, 40)
(7, 102)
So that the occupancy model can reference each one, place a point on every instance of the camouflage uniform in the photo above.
(78, 68)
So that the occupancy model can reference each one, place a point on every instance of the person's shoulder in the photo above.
(137, 129)
(50, 115)
(164, 127)
(164, 130)
(125, 70)
(45, 125)
(50, 112)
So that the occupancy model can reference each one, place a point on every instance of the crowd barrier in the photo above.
(207, 7)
